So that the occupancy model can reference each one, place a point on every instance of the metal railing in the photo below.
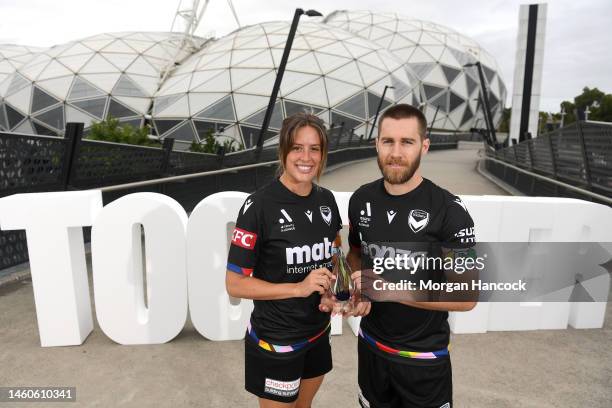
(573, 161)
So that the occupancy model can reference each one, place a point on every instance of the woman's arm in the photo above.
(249, 287)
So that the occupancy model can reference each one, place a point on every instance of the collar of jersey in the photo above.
(405, 195)
(285, 191)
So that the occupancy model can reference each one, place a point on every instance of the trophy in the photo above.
(342, 287)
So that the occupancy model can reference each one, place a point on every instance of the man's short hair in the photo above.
(405, 111)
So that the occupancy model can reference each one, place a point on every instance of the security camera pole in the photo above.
(279, 75)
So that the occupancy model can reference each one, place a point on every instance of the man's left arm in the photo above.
(458, 232)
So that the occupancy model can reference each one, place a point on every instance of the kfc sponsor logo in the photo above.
(243, 238)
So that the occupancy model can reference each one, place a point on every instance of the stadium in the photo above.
(129, 152)
(339, 68)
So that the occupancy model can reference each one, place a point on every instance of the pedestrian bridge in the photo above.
(491, 369)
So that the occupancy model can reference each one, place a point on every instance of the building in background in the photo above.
(338, 69)
(332, 73)
(528, 72)
(437, 55)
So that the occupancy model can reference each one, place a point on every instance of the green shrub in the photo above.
(211, 145)
(110, 130)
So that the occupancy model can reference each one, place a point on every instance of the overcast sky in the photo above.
(578, 35)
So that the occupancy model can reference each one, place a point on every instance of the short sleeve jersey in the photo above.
(280, 237)
(426, 214)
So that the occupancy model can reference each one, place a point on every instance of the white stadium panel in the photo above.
(421, 44)
(88, 69)
(335, 63)
(58, 87)
(321, 74)
(20, 99)
(248, 104)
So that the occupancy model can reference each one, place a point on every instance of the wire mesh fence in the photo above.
(31, 163)
(578, 155)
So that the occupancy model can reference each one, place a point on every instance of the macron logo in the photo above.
(460, 203)
(309, 215)
(244, 239)
(247, 204)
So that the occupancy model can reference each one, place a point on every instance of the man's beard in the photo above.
(398, 176)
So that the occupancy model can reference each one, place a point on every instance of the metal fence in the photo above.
(577, 159)
(31, 163)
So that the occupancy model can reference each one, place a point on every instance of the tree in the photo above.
(211, 145)
(110, 130)
(598, 103)
(504, 124)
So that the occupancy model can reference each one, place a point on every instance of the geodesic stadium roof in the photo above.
(338, 69)
(437, 55)
(11, 58)
(331, 72)
(89, 79)
(14, 56)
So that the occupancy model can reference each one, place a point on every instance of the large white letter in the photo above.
(116, 244)
(54, 229)
(210, 307)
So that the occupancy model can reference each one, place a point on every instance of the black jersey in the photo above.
(280, 237)
(426, 214)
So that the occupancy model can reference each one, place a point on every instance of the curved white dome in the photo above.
(437, 55)
(12, 57)
(113, 74)
(227, 84)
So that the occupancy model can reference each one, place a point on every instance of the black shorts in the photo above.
(277, 376)
(390, 381)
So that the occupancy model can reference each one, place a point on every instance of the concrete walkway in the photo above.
(561, 368)
(455, 170)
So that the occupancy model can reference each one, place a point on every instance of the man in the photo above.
(403, 345)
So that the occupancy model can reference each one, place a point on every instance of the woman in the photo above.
(280, 257)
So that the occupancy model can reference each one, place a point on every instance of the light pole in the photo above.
(487, 107)
(563, 113)
(433, 120)
(382, 98)
(281, 71)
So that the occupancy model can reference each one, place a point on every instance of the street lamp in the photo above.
(487, 107)
(382, 98)
(432, 122)
(281, 71)
(563, 113)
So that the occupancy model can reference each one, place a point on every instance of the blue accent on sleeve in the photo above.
(234, 268)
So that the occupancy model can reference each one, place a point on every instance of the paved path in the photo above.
(557, 368)
(455, 170)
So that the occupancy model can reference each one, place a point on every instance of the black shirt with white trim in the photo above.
(428, 213)
(280, 237)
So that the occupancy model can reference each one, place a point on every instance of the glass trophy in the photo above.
(342, 287)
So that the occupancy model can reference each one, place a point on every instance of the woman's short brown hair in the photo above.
(290, 126)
